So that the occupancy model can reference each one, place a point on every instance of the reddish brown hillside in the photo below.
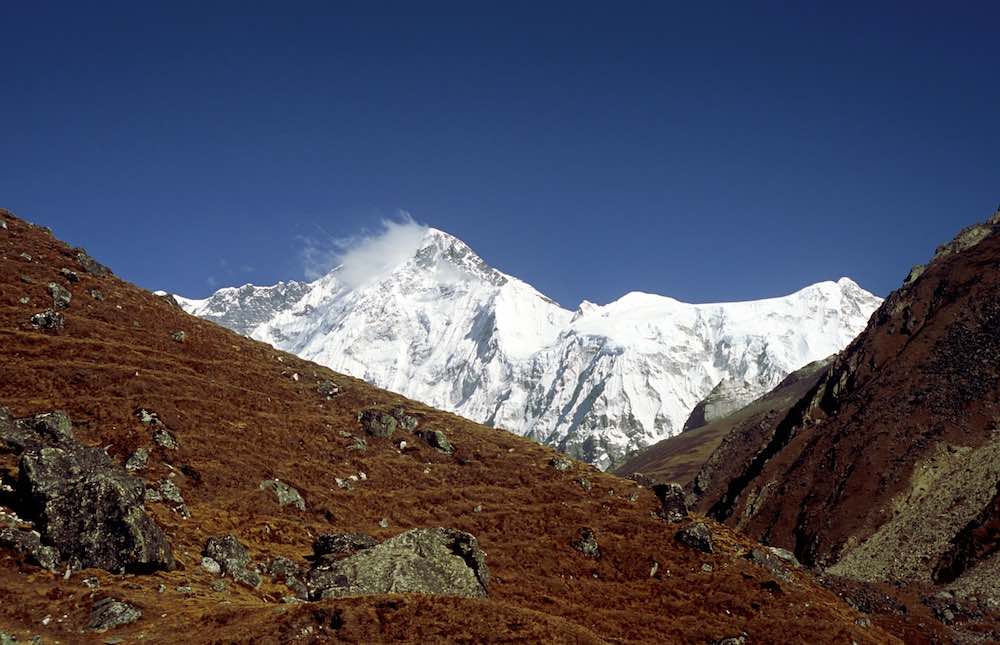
(887, 471)
(242, 412)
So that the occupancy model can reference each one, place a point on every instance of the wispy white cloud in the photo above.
(366, 256)
(211, 281)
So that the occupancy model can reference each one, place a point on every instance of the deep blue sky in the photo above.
(720, 152)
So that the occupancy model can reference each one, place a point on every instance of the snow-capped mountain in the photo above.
(443, 327)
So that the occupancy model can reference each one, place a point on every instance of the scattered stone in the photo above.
(281, 568)
(406, 422)
(863, 622)
(707, 568)
(170, 492)
(170, 300)
(27, 279)
(185, 589)
(90, 265)
(25, 257)
(585, 483)
(24, 300)
(110, 613)
(586, 543)
(97, 294)
(90, 508)
(233, 558)
(428, 561)
(377, 424)
(767, 558)
(359, 444)
(696, 535)
(219, 586)
(328, 389)
(164, 439)
(138, 460)
(210, 565)
(91, 582)
(147, 417)
(561, 463)
(732, 640)
(784, 554)
(384, 522)
(633, 497)
(295, 376)
(71, 276)
(179, 336)
(30, 544)
(478, 508)
(49, 320)
(3, 225)
(437, 440)
(286, 494)
(61, 296)
(343, 483)
(673, 507)
(654, 569)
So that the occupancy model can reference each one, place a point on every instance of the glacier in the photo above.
(443, 327)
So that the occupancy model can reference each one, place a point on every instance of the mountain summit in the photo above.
(440, 325)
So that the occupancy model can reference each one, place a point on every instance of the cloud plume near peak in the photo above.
(367, 256)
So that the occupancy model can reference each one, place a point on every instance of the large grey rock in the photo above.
(286, 495)
(49, 320)
(61, 296)
(334, 546)
(90, 265)
(437, 440)
(90, 509)
(673, 506)
(233, 558)
(429, 561)
(586, 543)
(110, 613)
(377, 424)
(696, 535)
(18, 435)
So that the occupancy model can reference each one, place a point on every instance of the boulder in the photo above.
(696, 535)
(138, 460)
(110, 613)
(18, 435)
(406, 421)
(233, 558)
(327, 388)
(179, 336)
(437, 440)
(285, 494)
(71, 276)
(586, 543)
(90, 509)
(334, 546)
(90, 265)
(49, 319)
(770, 560)
(377, 424)
(61, 296)
(561, 464)
(428, 561)
(673, 506)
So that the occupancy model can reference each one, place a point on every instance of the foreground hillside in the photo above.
(221, 431)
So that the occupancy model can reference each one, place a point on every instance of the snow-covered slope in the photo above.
(445, 328)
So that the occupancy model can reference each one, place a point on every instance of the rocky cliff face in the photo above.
(599, 382)
(887, 470)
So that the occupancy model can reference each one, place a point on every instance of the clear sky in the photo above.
(706, 151)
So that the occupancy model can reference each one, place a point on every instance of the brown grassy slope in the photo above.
(241, 417)
(678, 459)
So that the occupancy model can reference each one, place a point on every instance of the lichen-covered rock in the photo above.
(71, 276)
(171, 493)
(18, 435)
(377, 424)
(287, 495)
(696, 535)
(233, 558)
(561, 464)
(49, 320)
(90, 265)
(110, 613)
(406, 421)
(179, 336)
(429, 561)
(438, 440)
(138, 460)
(29, 543)
(327, 388)
(91, 509)
(673, 506)
(770, 559)
(61, 296)
(586, 543)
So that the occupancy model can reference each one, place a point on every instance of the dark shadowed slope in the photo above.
(679, 458)
(888, 469)
(237, 412)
